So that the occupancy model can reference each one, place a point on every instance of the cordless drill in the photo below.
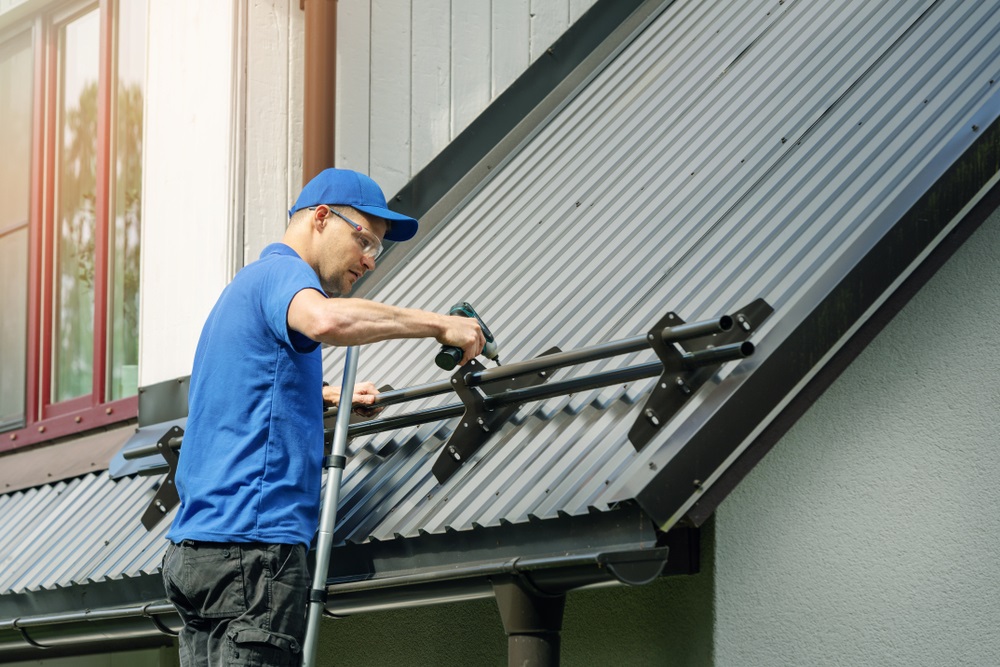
(449, 356)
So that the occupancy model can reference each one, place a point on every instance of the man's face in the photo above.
(342, 259)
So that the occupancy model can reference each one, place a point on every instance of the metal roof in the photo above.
(727, 151)
(74, 532)
(731, 151)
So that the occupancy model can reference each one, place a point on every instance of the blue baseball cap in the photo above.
(344, 187)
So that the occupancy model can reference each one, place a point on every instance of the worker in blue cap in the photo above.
(251, 463)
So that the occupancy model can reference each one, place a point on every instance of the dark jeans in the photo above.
(242, 604)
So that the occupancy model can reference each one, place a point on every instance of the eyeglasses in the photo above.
(370, 245)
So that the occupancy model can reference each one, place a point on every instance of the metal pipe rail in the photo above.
(543, 364)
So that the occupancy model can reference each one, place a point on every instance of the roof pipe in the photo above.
(320, 89)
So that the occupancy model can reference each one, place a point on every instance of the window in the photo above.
(71, 109)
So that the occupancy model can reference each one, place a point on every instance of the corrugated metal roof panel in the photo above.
(731, 151)
(73, 532)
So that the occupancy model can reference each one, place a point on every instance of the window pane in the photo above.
(123, 352)
(15, 171)
(73, 283)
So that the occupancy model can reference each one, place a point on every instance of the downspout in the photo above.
(320, 89)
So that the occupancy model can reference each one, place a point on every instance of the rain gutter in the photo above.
(156, 623)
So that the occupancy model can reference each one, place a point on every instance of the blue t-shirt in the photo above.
(251, 460)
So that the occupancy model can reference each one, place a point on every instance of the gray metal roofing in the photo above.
(77, 531)
(729, 151)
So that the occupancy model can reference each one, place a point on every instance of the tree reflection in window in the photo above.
(74, 280)
(74, 325)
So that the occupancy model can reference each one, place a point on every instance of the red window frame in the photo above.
(45, 420)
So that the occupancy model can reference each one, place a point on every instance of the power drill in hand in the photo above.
(449, 356)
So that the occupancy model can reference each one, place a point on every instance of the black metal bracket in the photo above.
(688, 367)
(480, 422)
(166, 497)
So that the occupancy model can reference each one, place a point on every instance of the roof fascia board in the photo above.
(810, 393)
(549, 83)
(971, 177)
(92, 595)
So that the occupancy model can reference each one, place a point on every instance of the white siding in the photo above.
(188, 235)
(412, 76)
(273, 114)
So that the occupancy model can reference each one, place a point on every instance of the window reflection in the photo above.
(15, 146)
(123, 348)
(73, 283)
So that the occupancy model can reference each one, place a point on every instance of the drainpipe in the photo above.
(320, 89)
(532, 620)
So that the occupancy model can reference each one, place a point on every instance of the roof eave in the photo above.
(734, 439)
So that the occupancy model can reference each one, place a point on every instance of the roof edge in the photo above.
(953, 197)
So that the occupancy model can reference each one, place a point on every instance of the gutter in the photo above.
(155, 623)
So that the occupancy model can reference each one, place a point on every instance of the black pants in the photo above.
(242, 604)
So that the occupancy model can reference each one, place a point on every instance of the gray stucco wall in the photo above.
(869, 534)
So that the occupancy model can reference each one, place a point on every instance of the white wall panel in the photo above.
(389, 122)
(510, 45)
(471, 88)
(187, 233)
(412, 76)
(351, 140)
(273, 120)
(224, 126)
(430, 119)
(549, 20)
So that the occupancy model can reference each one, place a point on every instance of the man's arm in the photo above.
(359, 321)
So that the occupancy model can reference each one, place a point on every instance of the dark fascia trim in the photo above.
(870, 280)
(123, 592)
(377, 564)
(769, 437)
(462, 166)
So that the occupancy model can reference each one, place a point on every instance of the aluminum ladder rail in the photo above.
(334, 464)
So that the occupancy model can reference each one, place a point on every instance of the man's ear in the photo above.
(319, 217)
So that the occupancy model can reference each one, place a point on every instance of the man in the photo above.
(250, 466)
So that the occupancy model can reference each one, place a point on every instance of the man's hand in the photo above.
(364, 397)
(464, 333)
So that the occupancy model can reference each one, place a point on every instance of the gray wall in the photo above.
(157, 657)
(869, 534)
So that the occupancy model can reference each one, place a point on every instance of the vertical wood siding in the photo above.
(413, 75)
